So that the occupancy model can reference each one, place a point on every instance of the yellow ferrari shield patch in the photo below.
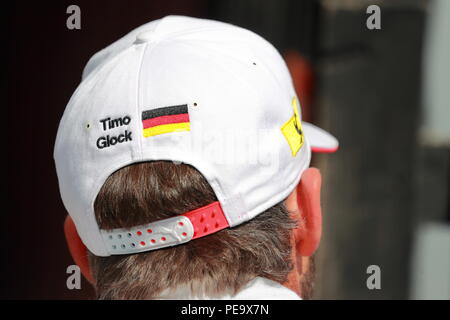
(292, 130)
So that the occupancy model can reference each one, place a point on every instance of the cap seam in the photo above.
(139, 98)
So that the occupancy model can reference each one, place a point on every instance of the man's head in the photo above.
(184, 142)
(278, 244)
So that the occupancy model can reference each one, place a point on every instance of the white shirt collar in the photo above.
(257, 289)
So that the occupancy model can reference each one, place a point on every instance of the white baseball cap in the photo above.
(205, 93)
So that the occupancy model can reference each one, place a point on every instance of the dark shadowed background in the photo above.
(364, 86)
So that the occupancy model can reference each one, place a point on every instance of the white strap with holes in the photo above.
(155, 235)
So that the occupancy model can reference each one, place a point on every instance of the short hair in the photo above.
(218, 264)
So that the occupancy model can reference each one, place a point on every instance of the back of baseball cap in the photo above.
(201, 92)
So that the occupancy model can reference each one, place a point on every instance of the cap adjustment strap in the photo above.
(167, 232)
(155, 235)
(207, 219)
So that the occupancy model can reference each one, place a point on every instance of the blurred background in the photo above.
(384, 92)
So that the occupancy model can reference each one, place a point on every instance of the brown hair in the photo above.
(220, 263)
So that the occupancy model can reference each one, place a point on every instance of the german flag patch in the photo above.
(165, 120)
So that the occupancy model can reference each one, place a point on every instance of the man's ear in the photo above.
(77, 249)
(304, 205)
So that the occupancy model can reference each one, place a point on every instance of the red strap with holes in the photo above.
(207, 219)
